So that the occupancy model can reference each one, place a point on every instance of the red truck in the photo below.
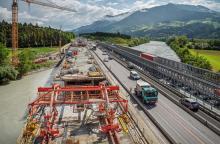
(217, 92)
(148, 56)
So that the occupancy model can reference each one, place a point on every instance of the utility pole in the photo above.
(14, 32)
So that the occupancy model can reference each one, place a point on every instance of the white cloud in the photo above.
(112, 3)
(211, 4)
(141, 4)
(4, 14)
(207, 3)
(88, 11)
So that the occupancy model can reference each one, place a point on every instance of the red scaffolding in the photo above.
(83, 95)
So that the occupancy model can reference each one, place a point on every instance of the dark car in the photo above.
(110, 57)
(190, 103)
(130, 65)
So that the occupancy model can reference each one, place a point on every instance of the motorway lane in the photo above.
(151, 132)
(179, 124)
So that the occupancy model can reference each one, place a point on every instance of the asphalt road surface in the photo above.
(180, 125)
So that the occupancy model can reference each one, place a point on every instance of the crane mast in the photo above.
(15, 23)
(14, 32)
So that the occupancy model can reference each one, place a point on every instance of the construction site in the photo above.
(81, 106)
(101, 92)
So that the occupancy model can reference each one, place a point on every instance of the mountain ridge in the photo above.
(139, 22)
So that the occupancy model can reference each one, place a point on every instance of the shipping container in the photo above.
(148, 56)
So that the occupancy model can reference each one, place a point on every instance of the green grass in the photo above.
(44, 50)
(213, 57)
(38, 51)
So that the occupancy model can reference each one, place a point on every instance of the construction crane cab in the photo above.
(146, 92)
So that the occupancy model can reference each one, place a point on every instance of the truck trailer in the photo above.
(146, 92)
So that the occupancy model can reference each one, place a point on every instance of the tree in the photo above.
(33, 35)
(180, 46)
(7, 72)
(4, 52)
(182, 40)
(202, 62)
(25, 61)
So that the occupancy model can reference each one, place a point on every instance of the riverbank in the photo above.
(158, 48)
(14, 99)
(41, 69)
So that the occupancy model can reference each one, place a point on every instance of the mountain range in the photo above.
(161, 21)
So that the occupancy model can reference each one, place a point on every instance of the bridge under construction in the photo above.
(92, 100)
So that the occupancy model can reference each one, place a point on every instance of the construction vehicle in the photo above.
(146, 92)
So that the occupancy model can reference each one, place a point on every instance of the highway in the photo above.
(180, 125)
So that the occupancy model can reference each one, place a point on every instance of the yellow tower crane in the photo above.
(15, 22)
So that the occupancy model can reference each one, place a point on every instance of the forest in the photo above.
(180, 45)
(204, 44)
(33, 35)
(117, 38)
(33, 40)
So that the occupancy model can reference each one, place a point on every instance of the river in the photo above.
(159, 49)
(13, 104)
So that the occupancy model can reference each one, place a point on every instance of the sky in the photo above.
(87, 11)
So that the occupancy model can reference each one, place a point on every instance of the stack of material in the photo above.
(81, 78)
(69, 71)
(94, 72)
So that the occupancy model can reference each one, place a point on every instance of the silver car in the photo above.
(105, 59)
(134, 75)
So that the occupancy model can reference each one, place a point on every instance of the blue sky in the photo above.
(88, 11)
